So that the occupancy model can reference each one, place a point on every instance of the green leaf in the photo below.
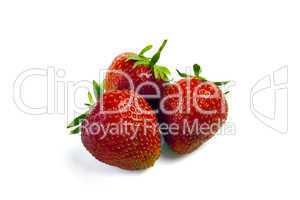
(163, 76)
(144, 50)
(161, 72)
(219, 83)
(184, 75)
(96, 88)
(90, 97)
(75, 131)
(202, 78)
(197, 69)
(140, 62)
(156, 73)
(135, 57)
(101, 87)
(165, 70)
(226, 93)
(77, 120)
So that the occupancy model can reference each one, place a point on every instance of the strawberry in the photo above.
(120, 129)
(136, 72)
(193, 110)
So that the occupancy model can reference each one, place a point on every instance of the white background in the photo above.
(232, 40)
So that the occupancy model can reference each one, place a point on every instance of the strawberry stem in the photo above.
(156, 56)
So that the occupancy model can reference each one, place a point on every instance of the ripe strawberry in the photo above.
(136, 72)
(121, 130)
(199, 109)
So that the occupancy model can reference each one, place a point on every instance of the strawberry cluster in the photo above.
(138, 102)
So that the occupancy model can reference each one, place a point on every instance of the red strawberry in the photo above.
(199, 109)
(136, 72)
(121, 130)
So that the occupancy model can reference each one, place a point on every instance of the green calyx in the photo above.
(76, 123)
(197, 71)
(160, 72)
